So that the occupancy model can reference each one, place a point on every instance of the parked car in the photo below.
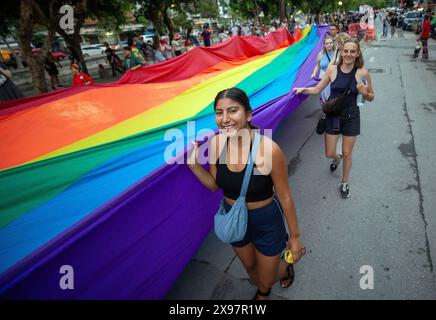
(410, 20)
(120, 45)
(59, 55)
(147, 38)
(8, 58)
(92, 50)
(56, 55)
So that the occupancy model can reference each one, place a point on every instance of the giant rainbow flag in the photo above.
(84, 182)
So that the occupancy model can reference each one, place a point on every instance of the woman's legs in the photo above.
(52, 81)
(347, 149)
(331, 140)
(56, 78)
(263, 270)
(247, 255)
(268, 272)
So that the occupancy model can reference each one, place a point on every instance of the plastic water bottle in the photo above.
(360, 99)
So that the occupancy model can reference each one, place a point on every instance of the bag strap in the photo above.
(250, 164)
(326, 53)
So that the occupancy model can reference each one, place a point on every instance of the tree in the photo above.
(252, 8)
(159, 11)
(30, 15)
(151, 10)
(109, 11)
(206, 8)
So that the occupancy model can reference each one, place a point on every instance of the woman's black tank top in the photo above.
(340, 84)
(260, 186)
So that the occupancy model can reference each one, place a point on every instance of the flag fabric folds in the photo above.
(84, 181)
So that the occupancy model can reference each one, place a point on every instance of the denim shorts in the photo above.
(265, 229)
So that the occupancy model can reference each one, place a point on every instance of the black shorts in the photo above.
(265, 229)
(347, 124)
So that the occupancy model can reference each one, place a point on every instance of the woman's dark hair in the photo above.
(237, 95)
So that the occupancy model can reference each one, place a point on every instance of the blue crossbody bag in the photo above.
(231, 226)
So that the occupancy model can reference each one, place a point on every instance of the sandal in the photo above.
(263, 294)
(290, 274)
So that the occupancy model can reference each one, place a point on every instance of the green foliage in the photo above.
(248, 9)
(110, 14)
(180, 20)
(206, 8)
(9, 17)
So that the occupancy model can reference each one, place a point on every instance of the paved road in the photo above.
(389, 222)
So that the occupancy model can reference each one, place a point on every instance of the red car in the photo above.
(56, 55)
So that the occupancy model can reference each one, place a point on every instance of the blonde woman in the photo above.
(346, 77)
(323, 60)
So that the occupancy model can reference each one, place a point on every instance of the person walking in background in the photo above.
(347, 79)
(222, 36)
(8, 89)
(137, 41)
(114, 61)
(341, 27)
(176, 48)
(423, 39)
(192, 37)
(234, 30)
(393, 22)
(166, 48)
(148, 53)
(188, 45)
(385, 23)
(80, 78)
(131, 61)
(158, 50)
(323, 60)
(73, 56)
(333, 33)
(206, 37)
(50, 66)
(132, 44)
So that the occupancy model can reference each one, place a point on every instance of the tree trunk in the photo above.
(282, 11)
(35, 61)
(168, 23)
(73, 40)
(256, 16)
(155, 20)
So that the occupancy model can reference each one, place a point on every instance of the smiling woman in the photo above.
(268, 199)
(348, 79)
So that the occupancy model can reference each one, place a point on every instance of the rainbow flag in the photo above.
(84, 181)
